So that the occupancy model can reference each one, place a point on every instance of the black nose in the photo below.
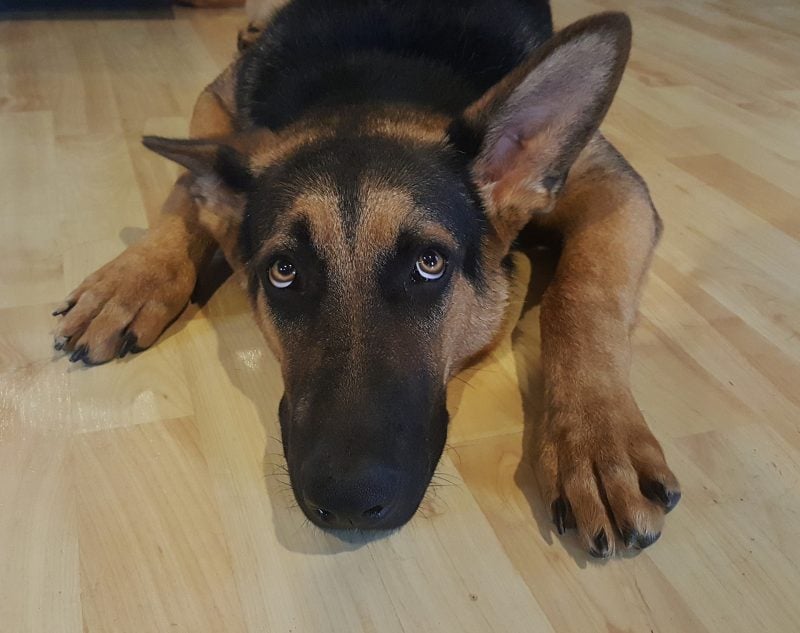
(363, 499)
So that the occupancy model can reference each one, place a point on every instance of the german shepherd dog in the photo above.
(369, 165)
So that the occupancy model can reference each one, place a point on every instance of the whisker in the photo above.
(274, 465)
(453, 479)
(466, 382)
(449, 447)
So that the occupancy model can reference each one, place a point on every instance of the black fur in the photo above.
(435, 175)
(434, 54)
(363, 419)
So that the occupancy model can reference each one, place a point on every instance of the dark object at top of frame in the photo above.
(84, 9)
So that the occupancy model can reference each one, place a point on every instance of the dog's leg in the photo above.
(598, 464)
(542, 161)
(125, 305)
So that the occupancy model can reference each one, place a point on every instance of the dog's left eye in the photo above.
(431, 265)
(282, 273)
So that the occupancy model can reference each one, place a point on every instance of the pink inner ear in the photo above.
(500, 155)
(520, 125)
(560, 100)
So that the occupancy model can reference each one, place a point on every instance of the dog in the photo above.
(369, 167)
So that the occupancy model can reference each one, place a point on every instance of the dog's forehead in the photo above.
(364, 221)
(356, 196)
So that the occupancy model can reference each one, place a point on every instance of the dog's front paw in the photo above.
(125, 305)
(601, 471)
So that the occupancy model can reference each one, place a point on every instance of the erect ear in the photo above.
(535, 122)
(214, 163)
(220, 178)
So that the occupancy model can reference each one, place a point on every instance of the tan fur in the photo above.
(594, 445)
(472, 322)
(140, 292)
(394, 123)
(384, 209)
(277, 147)
(471, 319)
(594, 441)
(594, 448)
(266, 323)
(405, 124)
(585, 59)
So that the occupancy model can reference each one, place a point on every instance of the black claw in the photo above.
(600, 548)
(646, 540)
(634, 538)
(79, 354)
(61, 342)
(629, 537)
(128, 344)
(655, 491)
(559, 510)
(63, 310)
(673, 496)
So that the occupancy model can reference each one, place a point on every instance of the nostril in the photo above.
(324, 515)
(374, 512)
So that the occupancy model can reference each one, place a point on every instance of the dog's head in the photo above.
(374, 240)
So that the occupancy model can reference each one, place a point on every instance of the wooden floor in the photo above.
(138, 496)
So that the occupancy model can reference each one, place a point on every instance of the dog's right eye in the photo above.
(431, 265)
(282, 273)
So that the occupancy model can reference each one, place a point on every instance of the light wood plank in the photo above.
(140, 495)
(153, 556)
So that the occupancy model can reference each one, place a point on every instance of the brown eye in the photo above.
(282, 273)
(431, 265)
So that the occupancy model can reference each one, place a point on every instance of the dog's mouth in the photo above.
(372, 495)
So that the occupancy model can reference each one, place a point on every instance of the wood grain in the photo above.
(148, 494)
